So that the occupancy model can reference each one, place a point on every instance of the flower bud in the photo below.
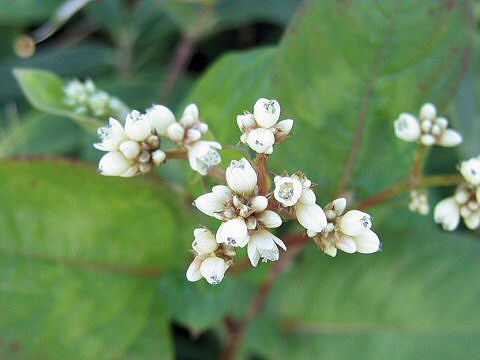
(407, 127)
(213, 269)
(450, 138)
(367, 242)
(137, 127)
(241, 177)
(339, 205)
(427, 139)
(266, 112)
(192, 111)
(269, 219)
(202, 127)
(447, 214)
(283, 130)
(188, 121)
(130, 149)
(193, 135)
(259, 203)
(470, 170)
(160, 118)
(354, 222)
(287, 190)
(158, 157)
(114, 164)
(428, 111)
(311, 217)
(233, 232)
(263, 245)
(176, 132)
(261, 140)
(245, 122)
(204, 242)
(308, 197)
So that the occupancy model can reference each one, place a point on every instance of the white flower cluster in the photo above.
(85, 98)
(260, 130)
(466, 201)
(294, 192)
(419, 202)
(429, 129)
(135, 148)
(202, 155)
(244, 215)
(349, 232)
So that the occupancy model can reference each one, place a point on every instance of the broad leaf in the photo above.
(79, 261)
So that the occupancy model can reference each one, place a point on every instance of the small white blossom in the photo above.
(419, 202)
(350, 232)
(241, 177)
(430, 129)
(470, 170)
(114, 163)
(447, 213)
(111, 136)
(160, 118)
(213, 269)
(288, 190)
(261, 130)
(203, 155)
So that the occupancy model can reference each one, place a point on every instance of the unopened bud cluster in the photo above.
(428, 129)
(465, 203)
(349, 232)
(419, 202)
(135, 148)
(86, 98)
(261, 130)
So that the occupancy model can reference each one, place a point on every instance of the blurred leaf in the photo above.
(23, 12)
(80, 256)
(418, 299)
(345, 70)
(45, 92)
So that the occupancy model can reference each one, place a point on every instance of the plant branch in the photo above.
(418, 165)
(262, 171)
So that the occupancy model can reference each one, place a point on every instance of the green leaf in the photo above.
(418, 299)
(45, 92)
(79, 260)
(345, 70)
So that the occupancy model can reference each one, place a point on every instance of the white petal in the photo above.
(213, 269)
(331, 250)
(354, 222)
(204, 242)
(367, 242)
(261, 140)
(131, 171)
(252, 253)
(266, 112)
(111, 135)
(287, 190)
(193, 135)
(137, 127)
(192, 111)
(130, 149)
(447, 214)
(346, 244)
(223, 191)
(262, 246)
(283, 129)
(428, 111)
(450, 138)
(338, 206)
(473, 221)
(470, 170)
(233, 232)
(160, 118)
(308, 197)
(176, 132)
(407, 127)
(211, 204)
(202, 157)
(311, 217)
(245, 122)
(193, 271)
(158, 157)
(269, 219)
(259, 203)
(241, 177)
(113, 164)
(427, 139)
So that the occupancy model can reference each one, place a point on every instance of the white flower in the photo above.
(190, 116)
(470, 170)
(407, 127)
(354, 222)
(160, 118)
(213, 269)
(111, 136)
(202, 155)
(449, 138)
(263, 245)
(204, 242)
(447, 214)
(158, 157)
(266, 112)
(214, 203)
(176, 132)
(288, 190)
(115, 164)
(233, 232)
(241, 177)
(137, 127)
(311, 217)
(261, 140)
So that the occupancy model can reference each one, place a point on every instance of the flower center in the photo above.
(270, 107)
(286, 191)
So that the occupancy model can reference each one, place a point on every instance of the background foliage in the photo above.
(93, 267)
